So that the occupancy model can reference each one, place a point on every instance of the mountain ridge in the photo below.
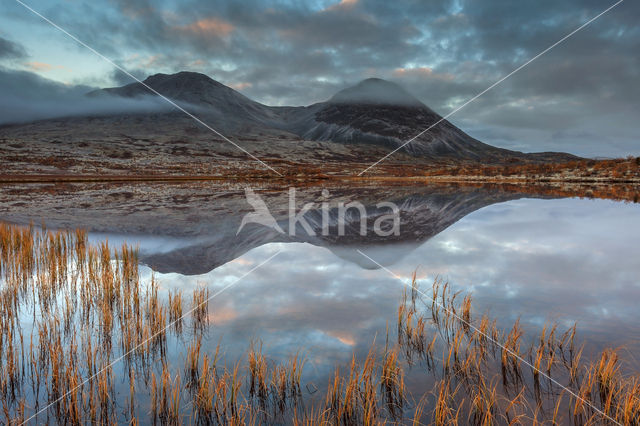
(130, 129)
(373, 112)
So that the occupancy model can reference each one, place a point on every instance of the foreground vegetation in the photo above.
(84, 339)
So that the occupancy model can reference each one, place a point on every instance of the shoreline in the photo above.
(68, 178)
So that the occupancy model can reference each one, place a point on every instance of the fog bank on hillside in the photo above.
(27, 97)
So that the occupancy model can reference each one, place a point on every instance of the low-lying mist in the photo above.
(27, 97)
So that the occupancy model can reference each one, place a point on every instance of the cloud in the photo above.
(43, 66)
(11, 50)
(39, 66)
(207, 27)
(120, 78)
(421, 74)
(240, 86)
(28, 97)
(342, 5)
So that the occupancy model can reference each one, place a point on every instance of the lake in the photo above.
(537, 258)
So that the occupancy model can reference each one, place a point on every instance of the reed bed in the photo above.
(78, 326)
(487, 375)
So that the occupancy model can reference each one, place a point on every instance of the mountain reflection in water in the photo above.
(539, 260)
(423, 213)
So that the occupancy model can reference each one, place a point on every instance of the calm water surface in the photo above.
(563, 260)
(539, 260)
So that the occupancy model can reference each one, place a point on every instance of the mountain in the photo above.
(195, 89)
(129, 130)
(374, 112)
(376, 91)
(423, 214)
(193, 228)
(379, 112)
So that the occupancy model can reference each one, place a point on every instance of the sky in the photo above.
(582, 97)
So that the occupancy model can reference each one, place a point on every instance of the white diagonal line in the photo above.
(512, 353)
(491, 87)
(120, 358)
(199, 121)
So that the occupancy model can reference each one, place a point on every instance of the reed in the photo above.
(392, 383)
(175, 310)
(200, 308)
(257, 373)
(192, 362)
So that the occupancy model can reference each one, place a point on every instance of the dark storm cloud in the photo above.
(11, 50)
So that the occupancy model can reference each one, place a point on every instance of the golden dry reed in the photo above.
(69, 309)
(481, 378)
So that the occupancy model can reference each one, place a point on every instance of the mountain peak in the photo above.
(182, 76)
(187, 86)
(376, 91)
